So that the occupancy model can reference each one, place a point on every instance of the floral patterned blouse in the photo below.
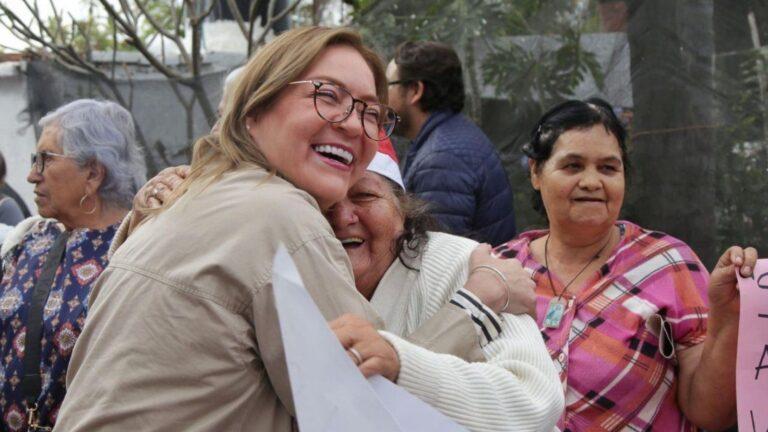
(63, 315)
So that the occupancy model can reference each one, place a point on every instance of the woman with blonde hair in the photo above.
(182, 331)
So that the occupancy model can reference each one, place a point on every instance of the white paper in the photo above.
(329, 392)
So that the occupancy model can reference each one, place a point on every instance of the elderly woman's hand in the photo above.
(513, 293)
(372, 354)
(723, 291)
(156, 191)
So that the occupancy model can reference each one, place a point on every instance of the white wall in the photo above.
(17, 140)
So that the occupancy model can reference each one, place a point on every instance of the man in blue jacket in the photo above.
(450, 162)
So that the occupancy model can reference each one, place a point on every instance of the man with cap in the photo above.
(450, 162)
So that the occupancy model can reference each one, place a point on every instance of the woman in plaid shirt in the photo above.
(643, 338)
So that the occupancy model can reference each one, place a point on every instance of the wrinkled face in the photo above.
(62, 184)
(321, 158)
(397, 99)
(367, 223)
(582, 182)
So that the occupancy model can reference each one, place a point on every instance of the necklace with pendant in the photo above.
(557, 305)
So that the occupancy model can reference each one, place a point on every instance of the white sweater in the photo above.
(516, 389)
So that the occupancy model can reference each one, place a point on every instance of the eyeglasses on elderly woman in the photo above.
(38, 159)
(335, 104)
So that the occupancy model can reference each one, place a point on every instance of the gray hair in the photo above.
(103, 131)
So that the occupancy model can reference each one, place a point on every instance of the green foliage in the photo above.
(97, 32)
(742, 158)
(529, 51)
(535, 79)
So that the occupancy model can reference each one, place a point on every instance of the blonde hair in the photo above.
(258, 85)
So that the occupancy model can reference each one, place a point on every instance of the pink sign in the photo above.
(752, 359)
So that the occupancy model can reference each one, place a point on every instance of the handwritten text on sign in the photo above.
(752, 360)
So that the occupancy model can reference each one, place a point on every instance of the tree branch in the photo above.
(238, 17)
(136, 42)
(159, 28)
(274, 19)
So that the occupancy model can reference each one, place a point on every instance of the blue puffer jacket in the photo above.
(454, 166)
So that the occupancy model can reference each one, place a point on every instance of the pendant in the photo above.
(555, 313)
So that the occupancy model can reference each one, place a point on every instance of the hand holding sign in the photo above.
(752, 359)
(723, 294)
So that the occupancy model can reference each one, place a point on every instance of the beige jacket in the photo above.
(182, 334)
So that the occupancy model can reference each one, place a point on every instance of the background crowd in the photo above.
(594, 323)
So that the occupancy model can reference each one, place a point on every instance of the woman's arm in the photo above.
(707, 390)
(517, 388)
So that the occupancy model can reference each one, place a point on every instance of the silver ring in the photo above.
(357, 356)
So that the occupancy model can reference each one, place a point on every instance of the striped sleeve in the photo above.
(517, 388)
(486, 322)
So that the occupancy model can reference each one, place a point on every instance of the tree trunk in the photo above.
(671, 46)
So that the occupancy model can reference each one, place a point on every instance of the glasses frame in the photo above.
(318, 84)
(41, 156)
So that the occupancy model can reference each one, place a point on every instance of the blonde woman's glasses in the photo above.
(335, 104)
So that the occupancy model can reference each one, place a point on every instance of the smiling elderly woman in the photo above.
(412, 277)
(643, 338)
(86, 171)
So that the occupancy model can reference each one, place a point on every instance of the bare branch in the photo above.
(159, 28)
(114, 48)
(252, 11)
(251, 23)
(208, 11)
(270, 9)
(36, 17)
(131, 87)
(135, 40)
(86, 35)
(126, 8)
(59, 22)
(238, 17)
(275, 19)
(177, 17)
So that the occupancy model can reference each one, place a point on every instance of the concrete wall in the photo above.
(17, 140)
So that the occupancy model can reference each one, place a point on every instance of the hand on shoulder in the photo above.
(501, 284)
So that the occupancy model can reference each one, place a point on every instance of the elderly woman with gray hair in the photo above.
(86, 170)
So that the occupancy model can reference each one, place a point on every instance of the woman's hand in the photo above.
(723, 291)
(157, 190)
(707, 381)
(517, 292)
(360, 338)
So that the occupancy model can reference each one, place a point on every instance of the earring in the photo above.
(95, 204)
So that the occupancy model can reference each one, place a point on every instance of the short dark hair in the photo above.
(438, 67)
(569, 115)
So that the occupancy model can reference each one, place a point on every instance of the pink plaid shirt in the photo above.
(606, 351)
